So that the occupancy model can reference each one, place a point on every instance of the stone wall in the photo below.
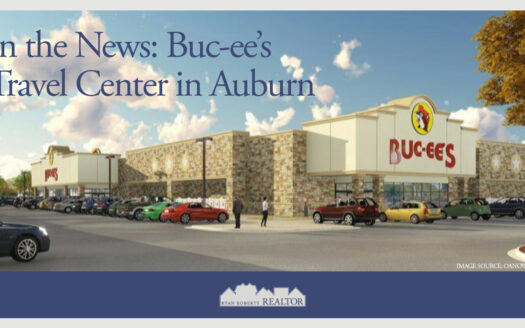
(500, 169)
(175, 169)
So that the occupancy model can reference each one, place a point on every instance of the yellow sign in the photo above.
(50, 156)
(422, 118)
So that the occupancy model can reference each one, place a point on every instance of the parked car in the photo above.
(30, 203)
(153, 212)
(68, 205)
(18, 202)
(101, 206)
(6, 200)
(22, 242)
(134, 210)
(350, 212)
(48, 203)
(87, 206)
(112, 209)
(513, 206)
(187, 212)
(472, 207)
(412, 211)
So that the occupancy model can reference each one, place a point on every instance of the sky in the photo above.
(356, 60)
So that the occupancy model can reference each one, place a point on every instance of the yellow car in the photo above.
(413, 211)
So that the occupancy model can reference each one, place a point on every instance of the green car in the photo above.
(154, 211)
(469, 206)
(112, 210)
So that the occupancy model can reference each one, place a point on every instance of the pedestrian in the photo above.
(237, 210)
(264, 212)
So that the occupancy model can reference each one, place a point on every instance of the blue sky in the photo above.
(407, 53)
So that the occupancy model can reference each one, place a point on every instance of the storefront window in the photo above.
(395, 192)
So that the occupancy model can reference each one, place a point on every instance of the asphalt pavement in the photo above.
(98, 243)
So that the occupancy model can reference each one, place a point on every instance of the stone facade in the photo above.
(500, 170)
(274, 166)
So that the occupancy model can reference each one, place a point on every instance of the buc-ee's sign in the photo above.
(51, 173)
(422, 121)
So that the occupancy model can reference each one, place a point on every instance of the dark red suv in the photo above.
(349, 211)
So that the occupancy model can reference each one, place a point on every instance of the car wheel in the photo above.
(414, 219)
(429, 221)
(486, 217)
(138, 215)
(474, 216)
(185, 219)
(222, 218)
(519, 214)
(92, 211)
(318, 218)
(25, 249)
(454, 217)
(349, 219)
(444, 215)
(383, 217)
(371, 222)
(33, 207)
(67, 210)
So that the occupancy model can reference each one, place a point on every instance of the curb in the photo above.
(518, 253)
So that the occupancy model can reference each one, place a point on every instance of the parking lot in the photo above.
(93, 243)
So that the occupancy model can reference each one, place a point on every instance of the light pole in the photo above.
(110, 157)
(24, 178)
(204, 140)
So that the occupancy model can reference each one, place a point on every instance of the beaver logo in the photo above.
(422, 118)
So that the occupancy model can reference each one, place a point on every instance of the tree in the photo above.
(18, 181)
(6, 188)
(501, 53)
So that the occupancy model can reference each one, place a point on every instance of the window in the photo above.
(395, 192)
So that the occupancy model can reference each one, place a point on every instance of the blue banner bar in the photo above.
(197, 294)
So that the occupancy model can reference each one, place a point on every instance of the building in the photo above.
(405, 149)
(62, 172)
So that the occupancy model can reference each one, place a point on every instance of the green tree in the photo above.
(6, 188)
(501, 53)
(24, 178)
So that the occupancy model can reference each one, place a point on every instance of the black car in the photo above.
(6, 200)
(513, 206)
(31, 203)
(23, 242)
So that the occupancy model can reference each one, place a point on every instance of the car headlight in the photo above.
(43, 230)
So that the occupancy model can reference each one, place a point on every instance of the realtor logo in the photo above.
(247, 295)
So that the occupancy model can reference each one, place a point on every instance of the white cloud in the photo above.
(122, 143)
(11, 166)
(116, 68)
(322, 112)
(487, 121)
(213, 106)
(324, 92)
(85, 117)
(184, 126)
(446, 102)
(273, 124)
(18, 104)
(293, 66)
(343, 59)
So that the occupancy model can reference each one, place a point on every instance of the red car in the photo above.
(350, 212)
(193, 212)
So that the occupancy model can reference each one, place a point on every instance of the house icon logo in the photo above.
(247, 295)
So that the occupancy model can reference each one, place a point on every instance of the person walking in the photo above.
(237, 210)
(264, 212)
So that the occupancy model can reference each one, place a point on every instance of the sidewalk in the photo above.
(276, 224)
